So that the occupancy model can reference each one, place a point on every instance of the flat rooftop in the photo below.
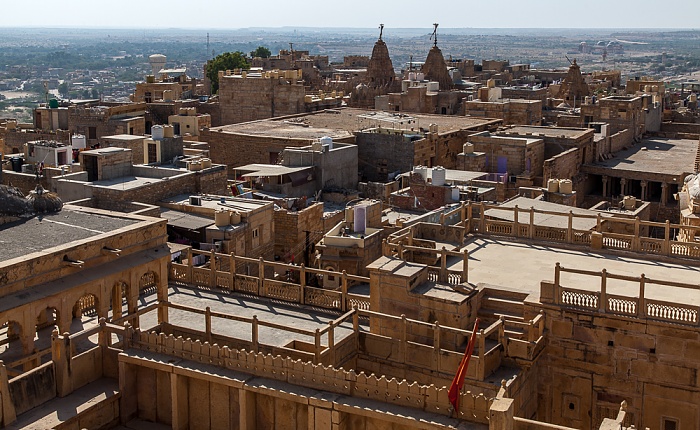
(214, 202)
(48, 231)
(343, 122)
(568, 132)
(663, 156)
(530, 263)
(124, 137)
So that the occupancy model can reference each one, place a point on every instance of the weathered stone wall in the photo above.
(594, 361)
(621, 140)
(380, 154)
(291, 228)
(251, 99)
(562, 166)
(33, 388)
(15, 140)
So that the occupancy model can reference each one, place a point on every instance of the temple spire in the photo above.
(434, 35)
(381, 30)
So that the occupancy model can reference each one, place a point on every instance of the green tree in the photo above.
(95, 94)
(261, 52)
(63, 89)
(225, 61)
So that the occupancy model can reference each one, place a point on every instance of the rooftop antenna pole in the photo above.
(381, 30)
(410, 63)
(434, 35)
(207, 43)
(291, 48)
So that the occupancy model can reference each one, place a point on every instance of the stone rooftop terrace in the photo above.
(664, 156)
(47, 231)
(343, 122)
(569, 133)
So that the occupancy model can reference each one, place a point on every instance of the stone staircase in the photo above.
(497, 303)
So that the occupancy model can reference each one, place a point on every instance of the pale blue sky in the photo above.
(232, 14)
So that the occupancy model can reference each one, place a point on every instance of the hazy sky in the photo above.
(232, 14)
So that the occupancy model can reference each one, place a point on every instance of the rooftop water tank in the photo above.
(468, 148)
(168, 131)
(222, 218)
(630, 203)
(553, 185)
(566, 186)
(325, 140)
(360, 221)
(157, 132)
(439, 175)
(455, 194)
(235, 218)
(53, 104)
(78, 141)
(422, 171)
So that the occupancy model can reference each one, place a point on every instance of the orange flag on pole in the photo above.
(458, 381)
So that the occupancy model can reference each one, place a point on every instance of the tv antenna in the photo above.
(207, 43)
(567, 59)
(434, 35)
(381, 30)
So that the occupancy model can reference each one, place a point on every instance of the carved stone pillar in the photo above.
(606, 180)
(664, 193)
(644, 189)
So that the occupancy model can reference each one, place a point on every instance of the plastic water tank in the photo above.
(422, 171)
(235, 218)
(206, 163)
(439, 175)
(168, 131)
(468, 148)
(349, 215)
(455, 194)
(78, 141)
(553, 185)
(325, 140)
(157, 132)
(222, 218)
(360, 220)
(630, 203)
(317, 146)
(565, 186)
(53, 104)
(17, 164)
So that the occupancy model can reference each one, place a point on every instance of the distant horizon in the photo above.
(360, 14)
(368, 29)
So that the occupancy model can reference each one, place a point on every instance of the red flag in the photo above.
(458, 381)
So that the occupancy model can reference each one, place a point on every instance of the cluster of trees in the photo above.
(230, 61)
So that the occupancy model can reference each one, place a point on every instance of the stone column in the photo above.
(605, 186)
(501, 414)
(664, 193)
(623, 187)
(643, 183)
(8, 414)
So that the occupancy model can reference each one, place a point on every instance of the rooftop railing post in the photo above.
(531, 233)
(190, 265)
(317, 345)
(667, 238)
(516, 228)
(404, 329)
(436, 345)
(570, 228)
(557, 283)
(254, 333)
(331, 342)
(261, 276)
(465, 266)
(636, 240)
(212, 268)
(603, 305)
(443, 265)
(232, 270)
(641, 309)
(207, 322)
(482, 218)
(482, 355)
(302, 284)
(598, 223)
(470, 217)
(344, 291)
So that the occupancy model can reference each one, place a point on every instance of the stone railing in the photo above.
(637, 306)
(600, 237)
(291, 287)
(435, 273)
(429, 398)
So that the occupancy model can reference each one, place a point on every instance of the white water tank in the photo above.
(455, 194)
(553, 185)
(317, 147)
(157, 132)
(235, 218)
(78, 141)
(468, 148)
(565, 186)
(360, 220)
(422, 171)
(168, 131)
(325, 140)
(630, 203)
(439, 175)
